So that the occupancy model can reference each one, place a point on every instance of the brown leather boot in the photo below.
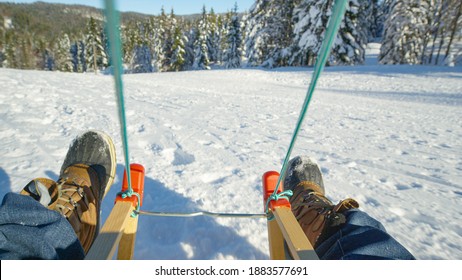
(86, 175)
(75, 196)
(316, 214)
(79, 201)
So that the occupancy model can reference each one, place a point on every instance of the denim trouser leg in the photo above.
(30, 231)
(362, 237)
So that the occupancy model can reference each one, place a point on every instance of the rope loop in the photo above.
(275, 197)
(130, 193)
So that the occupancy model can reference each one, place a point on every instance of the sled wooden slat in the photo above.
(276, 241)
(297, 242)
(106, 243)
(120, 228)
(127, 243)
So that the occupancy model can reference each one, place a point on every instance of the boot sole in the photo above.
(113, 161)
(86, 156)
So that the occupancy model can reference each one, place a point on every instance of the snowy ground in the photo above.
(389, 136)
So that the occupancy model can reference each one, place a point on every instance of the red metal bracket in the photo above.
(270, 180)
(137, 175)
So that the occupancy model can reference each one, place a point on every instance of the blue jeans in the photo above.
(30, 231)
(361, 238)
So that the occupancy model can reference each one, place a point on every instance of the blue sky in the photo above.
(153, 7)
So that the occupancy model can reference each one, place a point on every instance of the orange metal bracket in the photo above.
(275, 237)
(137, 175)
(270, 180)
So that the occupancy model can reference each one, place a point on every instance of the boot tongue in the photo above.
(45, 198)
(38, 191)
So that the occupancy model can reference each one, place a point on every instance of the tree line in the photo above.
(166, 42)
(273, 33)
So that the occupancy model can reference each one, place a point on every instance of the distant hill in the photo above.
(50, 20)
(71, 37)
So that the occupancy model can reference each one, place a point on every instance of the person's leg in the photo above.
(28, 230)
(86, 175)
(338, 231)
(361, 237)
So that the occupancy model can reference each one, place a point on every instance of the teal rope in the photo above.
(112, 17)
(129, 193)
(276, 196)
(334, 23)
(116, 58)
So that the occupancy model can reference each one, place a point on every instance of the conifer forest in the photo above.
(274, 33)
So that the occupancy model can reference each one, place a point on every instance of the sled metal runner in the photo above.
(200, 213)
(119, 231)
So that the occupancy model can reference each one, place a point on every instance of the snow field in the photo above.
(388, 136)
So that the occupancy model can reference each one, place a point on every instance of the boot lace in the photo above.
(319, 203)
(66, 190)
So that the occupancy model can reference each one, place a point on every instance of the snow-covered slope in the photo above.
(389, 136)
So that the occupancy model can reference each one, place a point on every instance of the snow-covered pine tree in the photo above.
(78, 56)
(280, 28)
(233, 53)
(201, 60)
(376, 25)
(75, 55)
(104, 50)
(2, 41)
(432, 13)
(39, 51)
(129, 38)
(353, 35)
(10, 53)
(63, 58)
(191, 35)
(49, 60)
(43, 57)
(310, 21)
(92, 42)
(384, 8)
(453, 48)
(24, 51)
(221, 38)
(2, 58)
(96, 54)
(269, 32)
(178, 60)
(155, 42)
(422, 31)
(81, 54)
(403, 40)
(141, 61)
(169, 25)
(258, 36)
(366, 16)
(213, 37)
(201, 51)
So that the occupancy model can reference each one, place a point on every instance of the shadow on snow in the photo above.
(180, 238)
